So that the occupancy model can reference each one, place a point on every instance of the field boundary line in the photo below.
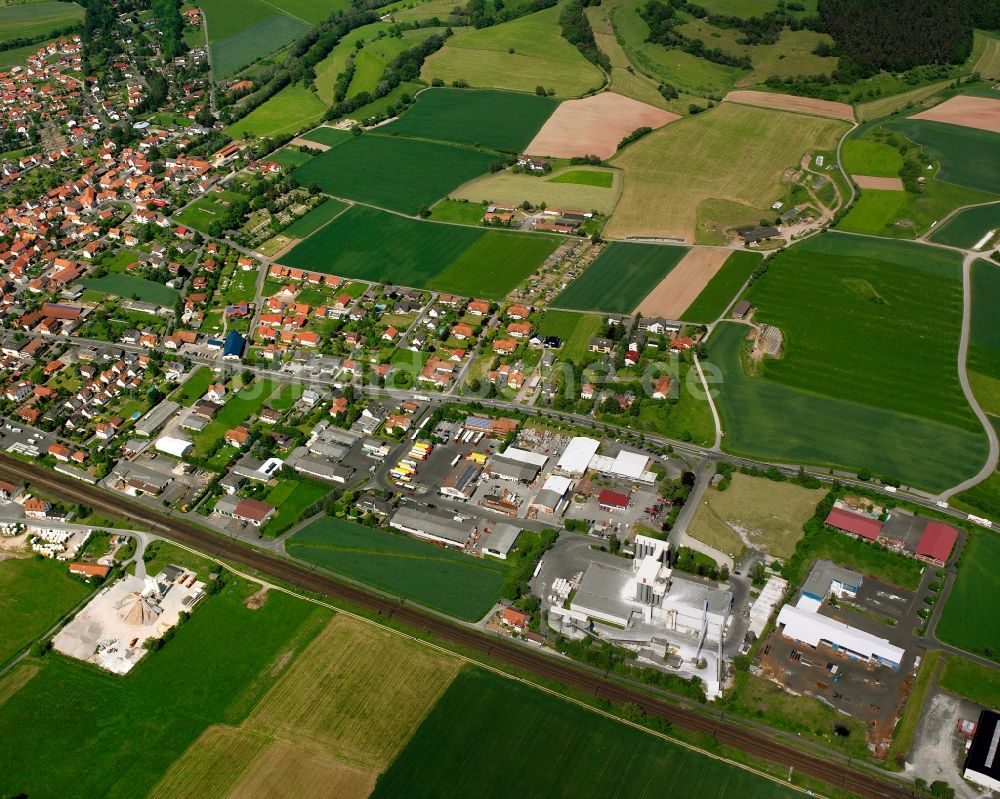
(500, 672)
(287, 13)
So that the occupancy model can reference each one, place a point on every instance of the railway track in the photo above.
(839, 774)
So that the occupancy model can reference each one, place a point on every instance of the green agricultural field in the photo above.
(903, 214)
(289, 157)
(971, 680)
(312, 11)
(721, 289)
(575, 329)
(596, 756)
(769, 420)
(620, 277)
(324, 134)
(969, 621)
(371, 60)
(967, 227)
(34, 595)
(462, 212)
(29, 20)
(315, 219)
(585, 177)
(386, 106)
(335, 62)
(399, 174)
(194, 388)
(241, 31)
(290, 110)
(205, 210)
(540, 55)
(513, 188)
(433, 576)
(984, 348)
(864, 157)
(131, 287)
(213, 671)
(696, 177)
(374, 245)
(497, 120)
(495, 264)
(876, 297)
(968, 156)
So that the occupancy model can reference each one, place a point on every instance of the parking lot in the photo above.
(620, 522)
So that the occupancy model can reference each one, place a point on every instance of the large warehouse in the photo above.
(982, 765)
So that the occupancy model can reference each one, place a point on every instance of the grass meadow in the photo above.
(214, 670)
(771, 420)
(315, 219)
(497, 120)
(732, 153)
(885, 106)
(865, 157)
(331, 137)
(461, 212)
(34, 594)
(366, 243)
(131, 287)
(37, 19)
(293, 108)
(620, 277)
(540, 55)
(575, 329)
(971, 680)
(967, 155)
(395, 173)
(589, 754)
(969, 620)
(194, 388)
(722, 288)
(510, 188)
(433, 576)
(967, 227)
(205, 210)
(335, 62)
(602, 179)
(903, 214)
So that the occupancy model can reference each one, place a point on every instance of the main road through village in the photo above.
(843, 774)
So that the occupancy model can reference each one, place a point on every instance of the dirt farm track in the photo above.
(840, 772)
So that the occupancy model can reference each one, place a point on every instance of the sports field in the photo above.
(370, 244)
(733, 153)
(620, 277)
(395, 173)
(967, 155)
(721, 289)
(130, 287)
(241, 31)
(150, 717)
(315, 219)
(968, 620)
(485, 118)
(509, 188)
(290, 110)
(968, 227)
(588, 755)
(435, 577)
(34, 594)
(540, 55)
(770, 515)
(29, 20)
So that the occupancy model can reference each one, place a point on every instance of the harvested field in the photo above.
(284, 770)
(595, 125)
(678, 290)
(16, 680)
(872, 182)
(211, 765)
(988, 64)
(788, 102)
(513, 188)
(982, 113)
(355, 693)
(300, 141)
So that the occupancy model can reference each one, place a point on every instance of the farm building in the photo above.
(856, 524)
(89, 569)
(447, 530)
(755, 235)
(982, 764)
(936, 543)
(742, 309)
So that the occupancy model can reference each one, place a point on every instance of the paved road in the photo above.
(963, 376)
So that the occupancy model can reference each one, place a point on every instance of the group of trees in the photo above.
(577, 31)
(662, 20)
(170, 24)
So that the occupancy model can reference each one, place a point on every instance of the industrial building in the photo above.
(461, 481)
(553, 496)
(155, 418)
(581, 455)
(501, 540)
(449, 530)
(174, 445)
(982, 764)
(804, 623)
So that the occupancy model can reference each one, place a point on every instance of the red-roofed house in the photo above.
(854, 524)
(612, 500)
(936, 543)
(514, 618)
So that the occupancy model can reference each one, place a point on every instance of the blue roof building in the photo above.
(234, 346)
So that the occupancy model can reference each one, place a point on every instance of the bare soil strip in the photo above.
(313, 145)
(872, 182)
(674, 294)
(788, 102)
(970, 112)
(594, 125)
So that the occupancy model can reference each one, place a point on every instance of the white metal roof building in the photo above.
(500, 540)
(763, 606)
(172, 445)
(525, 456)
(577, 455)
(802, 623)
(424, 524)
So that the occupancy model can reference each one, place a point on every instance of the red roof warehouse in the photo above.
(937, 542)
(855, 524)
(612, 500)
